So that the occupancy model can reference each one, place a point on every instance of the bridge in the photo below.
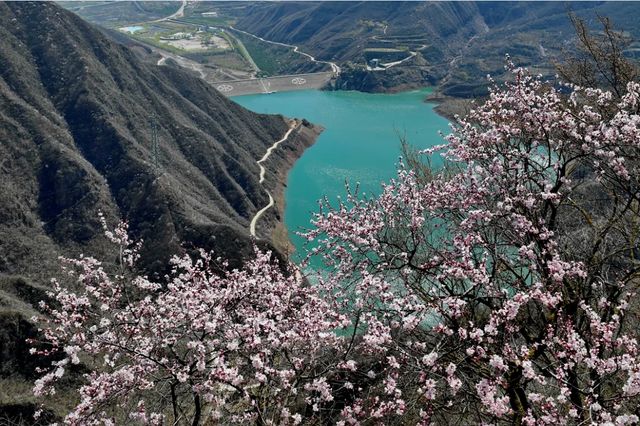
(281, 83)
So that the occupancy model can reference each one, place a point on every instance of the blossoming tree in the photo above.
(243, 345)
(501, 288)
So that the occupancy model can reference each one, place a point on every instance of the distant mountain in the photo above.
(337, 30)
(77, 113)
(447, 44)
(535, 34)
(355, 32)
(457, 43)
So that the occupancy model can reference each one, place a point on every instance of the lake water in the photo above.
(361, 142)
(132, 29)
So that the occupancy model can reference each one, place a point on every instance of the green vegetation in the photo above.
(240, 47)
(116, 14)
(266, 57)
(273, 59)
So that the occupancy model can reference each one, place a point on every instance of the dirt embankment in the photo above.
(450, 107)
(292, 149)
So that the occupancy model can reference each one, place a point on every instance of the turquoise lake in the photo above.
(360, 143)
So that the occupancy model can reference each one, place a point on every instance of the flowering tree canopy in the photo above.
(499, 289)
(504, 285)
(208, 344)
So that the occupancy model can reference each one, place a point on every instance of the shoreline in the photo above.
(445, 106)
(252, 226)
(448, 107)
(296, 145)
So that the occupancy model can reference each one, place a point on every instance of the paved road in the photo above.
(411, 55)
(180, 60)
(388, 65)
(265, 157)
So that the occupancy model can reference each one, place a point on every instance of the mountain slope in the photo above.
(535, 34)
(355, 32)
(337, 30)
(456, 44)
(84, 108)
(76, 118)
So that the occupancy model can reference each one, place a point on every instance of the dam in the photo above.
(281, 83)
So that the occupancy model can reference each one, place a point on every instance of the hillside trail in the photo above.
(265, 157)
(177, 14)
(335, 68)
(385, 66)
(411, 55)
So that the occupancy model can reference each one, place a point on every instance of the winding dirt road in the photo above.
(265, 157)
(411, 55)
(177, 14)
(334, 67)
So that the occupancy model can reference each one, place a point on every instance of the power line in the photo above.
(155, 151)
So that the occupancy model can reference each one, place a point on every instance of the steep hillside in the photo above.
(122, 12)
(355, 32)
(337, 30)
(456, 44)
(535, 34)
(77, 113)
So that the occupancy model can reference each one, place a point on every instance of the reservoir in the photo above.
(360, 143)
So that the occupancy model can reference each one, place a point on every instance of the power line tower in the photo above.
(155, 152)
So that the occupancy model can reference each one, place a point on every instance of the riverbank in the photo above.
(294, 147)
(448, 106)
(360, 144)
(270, 224)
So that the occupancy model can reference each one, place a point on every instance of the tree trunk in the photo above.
(174, 403)
(198, 410)
(575, 397)
(517, 397)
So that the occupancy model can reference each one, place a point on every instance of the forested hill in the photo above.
(76, 117)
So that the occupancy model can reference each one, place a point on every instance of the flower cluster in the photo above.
(242, 344)
(499, 289)
(503, 285)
